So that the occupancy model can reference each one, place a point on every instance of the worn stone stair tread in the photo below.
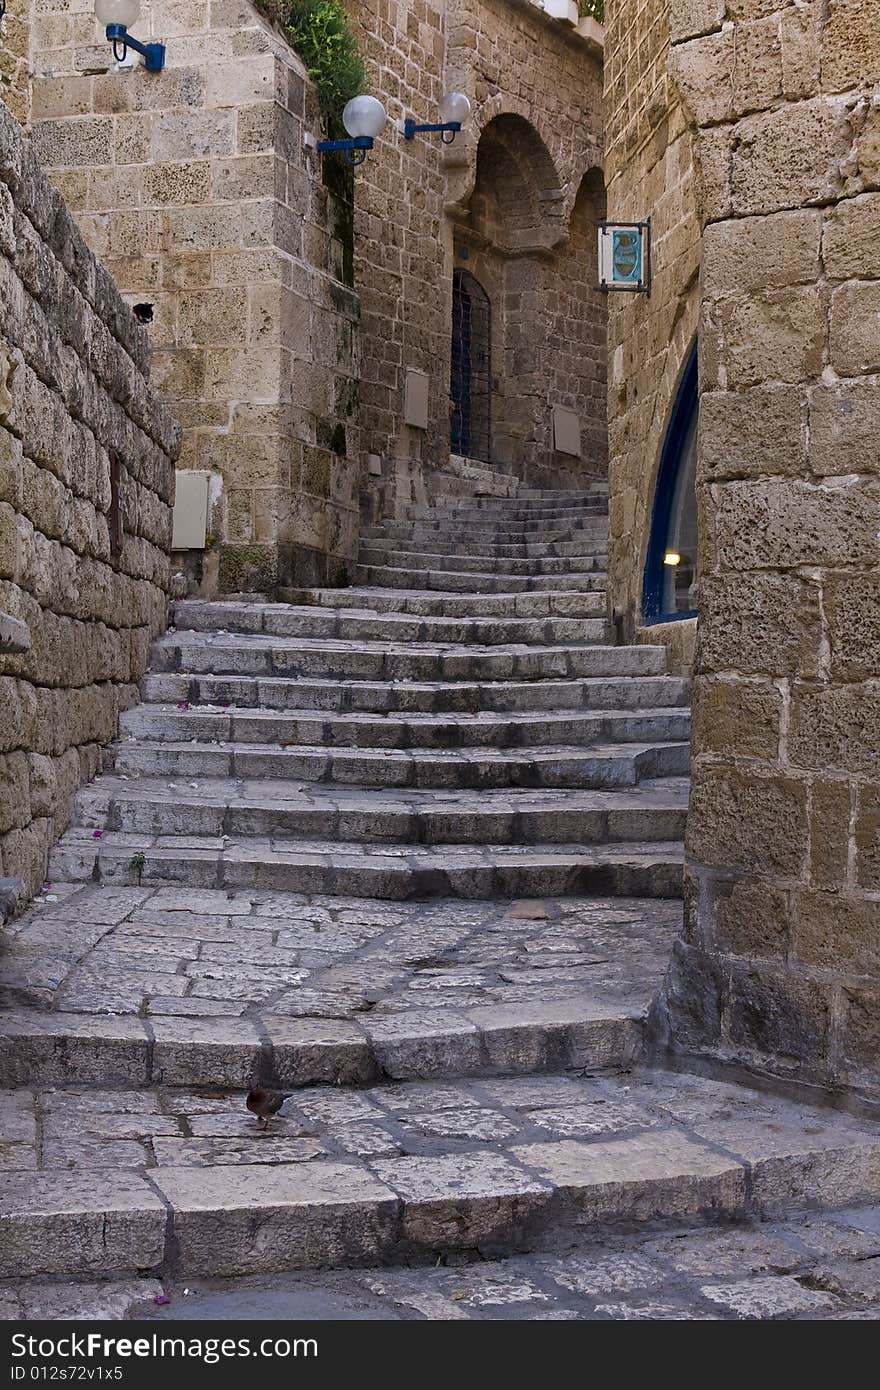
(403, 1171)
(196, 984)
(620, 692)
(652, 811)
(460, 581)
(398, 558)
(259, 654)
(219, 641)
(351, 625)
(602, 764)
(367, 870)
(220, 720)
(511, 730)
(426, 603)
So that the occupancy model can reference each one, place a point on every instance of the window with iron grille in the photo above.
(471, 376)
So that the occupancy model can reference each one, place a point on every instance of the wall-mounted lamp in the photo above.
(116, 16)
(454, 111)
(364, 119)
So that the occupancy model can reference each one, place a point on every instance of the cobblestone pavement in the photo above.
(813, 1267)
(196, 953)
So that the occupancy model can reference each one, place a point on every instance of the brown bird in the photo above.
(264, 1104)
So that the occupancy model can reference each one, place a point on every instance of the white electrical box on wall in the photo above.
(415, 406)
(566, 431)
(190, 526)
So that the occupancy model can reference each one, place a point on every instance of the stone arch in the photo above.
(516, 202)
(503, 144)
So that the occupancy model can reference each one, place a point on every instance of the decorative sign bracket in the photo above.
(625, 256)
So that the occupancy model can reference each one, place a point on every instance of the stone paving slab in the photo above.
(144, 1179)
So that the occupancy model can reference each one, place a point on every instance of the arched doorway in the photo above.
(470, 387)
(670, 589)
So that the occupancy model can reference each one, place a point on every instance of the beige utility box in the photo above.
(190, 526)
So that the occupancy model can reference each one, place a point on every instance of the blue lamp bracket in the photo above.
(153, 54)
(451, 128)
(354, 150)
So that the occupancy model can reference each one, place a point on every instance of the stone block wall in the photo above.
(84, 568)
(649, 171)
(779, 969)
(419, 214)
(195, 188)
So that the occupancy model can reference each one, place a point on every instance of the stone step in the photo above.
(358, 729)
(455, 547)
(504, 540)
(407, 1173)
(461, 582)
(216, 979)
(514, 515)
(588, 562)
(248, 692)
(353, 625)
(220, 654)
(553, 604)
(393, 872)
(604, 765)
(653, 812)
(517, 507)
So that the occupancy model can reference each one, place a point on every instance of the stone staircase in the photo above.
(394, 740)
(412, 852)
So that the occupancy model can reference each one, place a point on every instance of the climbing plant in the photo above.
(320, 32)
(594, 8)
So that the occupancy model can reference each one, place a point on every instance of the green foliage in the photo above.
(321, 34)
(594, 8)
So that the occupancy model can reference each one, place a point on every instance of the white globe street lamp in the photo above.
(117, 17)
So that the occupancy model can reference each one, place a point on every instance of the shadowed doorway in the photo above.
(471, 375)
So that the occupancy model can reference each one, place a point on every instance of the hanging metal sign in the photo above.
(625, 256)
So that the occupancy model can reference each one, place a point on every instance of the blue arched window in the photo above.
(670, 589)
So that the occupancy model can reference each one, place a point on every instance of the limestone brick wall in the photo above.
(649, 172)
(86, 597)
(15, 87)
(195, 188)
(779, 969)
(416, 213)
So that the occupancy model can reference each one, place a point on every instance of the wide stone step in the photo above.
(587, 562)
(406, 1173)
(508, 729)
(479, 521)
(467, 581)
(604, 765)
(653, 812)
(553, 604)
(393, 872)
(220, 654)
(514, 509)
(137, 985)
(603, 692)
(353, 625)
(452, 541)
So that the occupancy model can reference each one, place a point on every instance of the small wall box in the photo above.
(625, 256)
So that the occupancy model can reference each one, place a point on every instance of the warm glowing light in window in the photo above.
(672, 557)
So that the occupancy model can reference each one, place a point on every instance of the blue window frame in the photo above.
(670, 585)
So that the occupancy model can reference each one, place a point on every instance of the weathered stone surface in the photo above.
(58, 1223)
(313, 1213)
(747, 821)
(639, 1175)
